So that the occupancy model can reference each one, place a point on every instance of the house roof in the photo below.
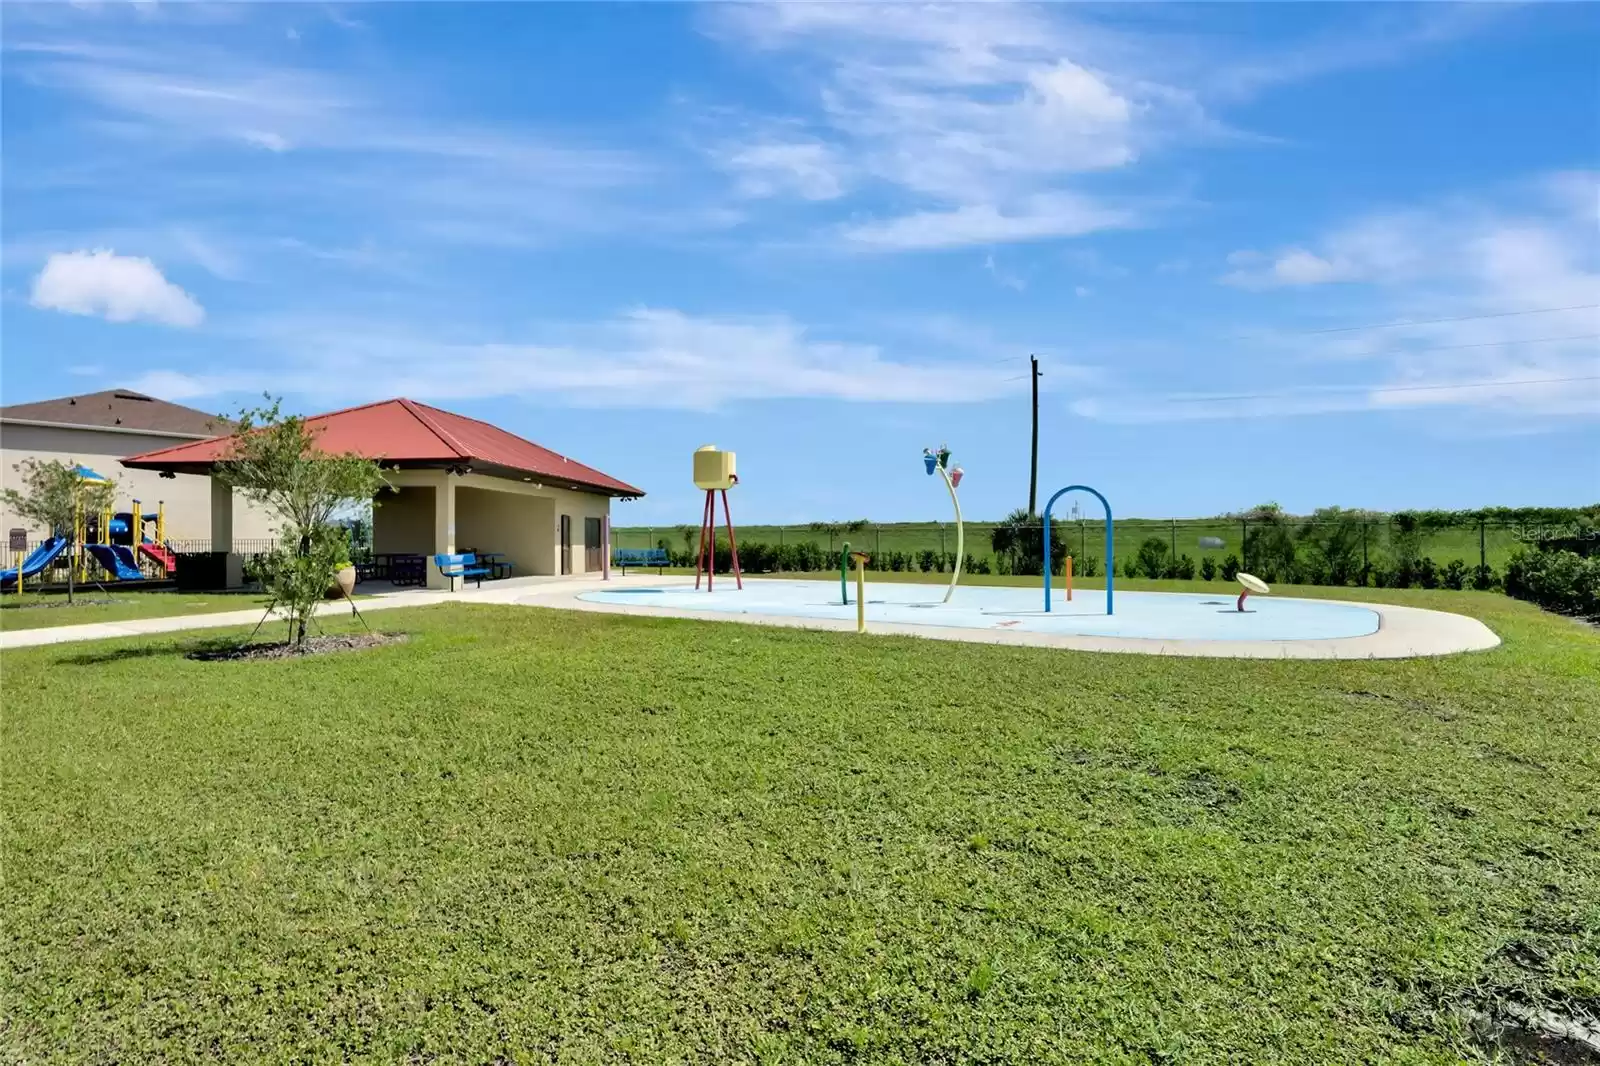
(407, 433)
(122, 410)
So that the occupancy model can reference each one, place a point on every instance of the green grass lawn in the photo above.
(532, 836)
(33, 610)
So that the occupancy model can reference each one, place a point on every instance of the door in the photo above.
(566, 544)
(592, 548)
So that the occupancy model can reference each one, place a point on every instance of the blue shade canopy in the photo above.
(85, 474)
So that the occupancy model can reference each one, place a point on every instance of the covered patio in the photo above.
(455, 485)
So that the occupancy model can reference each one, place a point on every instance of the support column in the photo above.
(222, 533)
(221, 516)
(444, 527)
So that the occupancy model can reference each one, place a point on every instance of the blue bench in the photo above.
(622, 558)
(465, 566)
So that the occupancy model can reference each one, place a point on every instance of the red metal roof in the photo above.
(410, 434)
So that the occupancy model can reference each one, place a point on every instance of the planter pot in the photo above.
(344, 583)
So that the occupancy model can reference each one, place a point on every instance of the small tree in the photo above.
(54, 494)
(1152, 557)
(274, 460)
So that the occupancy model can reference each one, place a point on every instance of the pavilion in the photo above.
(455, 484)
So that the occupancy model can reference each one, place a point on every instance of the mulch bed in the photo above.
(284, 650)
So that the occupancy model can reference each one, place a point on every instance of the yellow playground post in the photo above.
(860, 559)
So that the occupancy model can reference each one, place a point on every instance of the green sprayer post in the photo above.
(844, 574)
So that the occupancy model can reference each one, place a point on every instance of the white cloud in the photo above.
(272, 142)
(646, 358)
(1002, 277)
(979, 115)
(1081, 291)
(1036, 218)
(354, 150)
(1485, 303)
(807, 169)
(115, 287)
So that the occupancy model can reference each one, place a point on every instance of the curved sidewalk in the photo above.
(1403, 632)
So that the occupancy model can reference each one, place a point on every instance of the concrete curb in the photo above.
(1403, 632)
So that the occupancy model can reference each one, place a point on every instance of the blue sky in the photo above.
(827, 235)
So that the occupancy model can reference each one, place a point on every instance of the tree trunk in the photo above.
(300, 632)
(72, 572)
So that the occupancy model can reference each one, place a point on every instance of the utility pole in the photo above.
(1033, 466)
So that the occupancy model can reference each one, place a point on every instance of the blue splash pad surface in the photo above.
(1139, 615)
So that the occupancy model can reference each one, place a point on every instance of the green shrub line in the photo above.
(1545, 552)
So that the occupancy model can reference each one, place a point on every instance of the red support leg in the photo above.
(732, 544)
(711, 539)
(700, 550)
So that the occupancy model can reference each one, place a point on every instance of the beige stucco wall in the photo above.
(402, 521)
(187, 497)
(519, 519)
(511, 523)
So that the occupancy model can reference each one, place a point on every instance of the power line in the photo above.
(1480, 344)
(1428, 321)
(1389, 388)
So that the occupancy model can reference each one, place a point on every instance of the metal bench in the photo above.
(465, 566)
(622, 558)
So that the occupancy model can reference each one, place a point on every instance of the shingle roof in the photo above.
(410, 433)
(119, 409)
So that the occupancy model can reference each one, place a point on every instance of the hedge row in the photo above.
(1556, 580)
(808, 557)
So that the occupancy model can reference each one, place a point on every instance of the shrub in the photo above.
(1019, 541)
(1130, 568)
(1269, 546)
(1427, 573)
(1088, 566)
(1208, 569)
(1558, 580)
(930, 561)
(1455, 575)
(979, 565)
(1332, 538)
(1230, 567)
(1152, 558)
(1483, 577)
(809, 557)
(1183, 569)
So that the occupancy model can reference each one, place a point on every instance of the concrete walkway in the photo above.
(509, 591)
(1403, 632)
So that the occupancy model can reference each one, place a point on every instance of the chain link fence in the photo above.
(1350, 551)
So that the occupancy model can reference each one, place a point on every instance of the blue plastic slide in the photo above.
(117, 558)
(37, 560)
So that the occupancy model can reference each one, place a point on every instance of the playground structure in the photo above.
(714, 472)
(938, 462)
(861, 559)
(110, 541)
(1111, 557)
(1251, 584)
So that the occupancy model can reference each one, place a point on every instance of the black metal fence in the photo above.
(1286, 549)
